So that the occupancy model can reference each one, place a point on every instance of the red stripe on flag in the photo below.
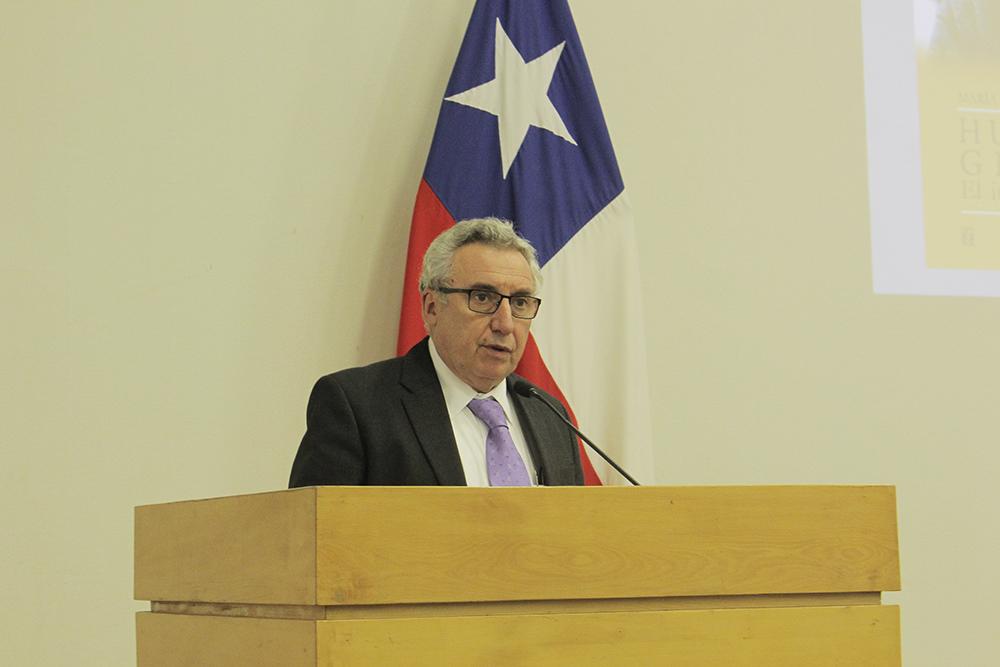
(430, 218)
(534, 369)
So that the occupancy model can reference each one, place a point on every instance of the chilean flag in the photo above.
(521, 136)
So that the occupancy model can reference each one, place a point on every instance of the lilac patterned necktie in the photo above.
(504, 465)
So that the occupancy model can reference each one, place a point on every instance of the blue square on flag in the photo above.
(521, 135)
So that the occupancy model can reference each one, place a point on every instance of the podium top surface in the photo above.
(391, 545)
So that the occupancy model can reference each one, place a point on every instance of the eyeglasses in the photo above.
(487, 302)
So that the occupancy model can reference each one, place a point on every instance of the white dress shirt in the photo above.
(470, 431)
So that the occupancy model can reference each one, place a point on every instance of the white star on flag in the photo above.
(517, 96)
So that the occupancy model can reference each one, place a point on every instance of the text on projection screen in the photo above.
(932, 97)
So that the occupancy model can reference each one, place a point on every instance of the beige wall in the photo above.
(205, 206)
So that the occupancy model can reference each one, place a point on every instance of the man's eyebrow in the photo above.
(493, 288)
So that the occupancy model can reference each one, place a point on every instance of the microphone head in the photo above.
(521, 387)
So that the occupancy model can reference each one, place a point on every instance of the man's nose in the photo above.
(502, 321)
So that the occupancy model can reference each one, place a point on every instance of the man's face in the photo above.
(480, 349)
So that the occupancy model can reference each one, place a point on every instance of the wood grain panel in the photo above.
(255, 548)
(172, 640)
(403, 545)
(357, 546)
(865, 636)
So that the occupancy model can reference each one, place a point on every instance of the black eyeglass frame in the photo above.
(467, 291)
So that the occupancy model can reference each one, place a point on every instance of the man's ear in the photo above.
(429, 308)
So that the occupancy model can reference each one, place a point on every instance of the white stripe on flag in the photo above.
(591, 335)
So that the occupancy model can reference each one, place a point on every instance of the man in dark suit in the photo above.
(444, 414)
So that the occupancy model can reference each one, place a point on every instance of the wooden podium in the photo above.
(782, 575)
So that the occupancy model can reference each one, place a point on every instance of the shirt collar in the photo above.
(457, 393)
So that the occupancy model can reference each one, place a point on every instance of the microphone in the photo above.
(523, 388)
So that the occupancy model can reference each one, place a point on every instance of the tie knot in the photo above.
(489, 411)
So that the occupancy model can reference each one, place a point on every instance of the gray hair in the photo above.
(492, 232)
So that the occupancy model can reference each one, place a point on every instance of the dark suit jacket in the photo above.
(387, 424)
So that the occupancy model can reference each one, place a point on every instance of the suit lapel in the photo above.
(428, 414)
(540, 427)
